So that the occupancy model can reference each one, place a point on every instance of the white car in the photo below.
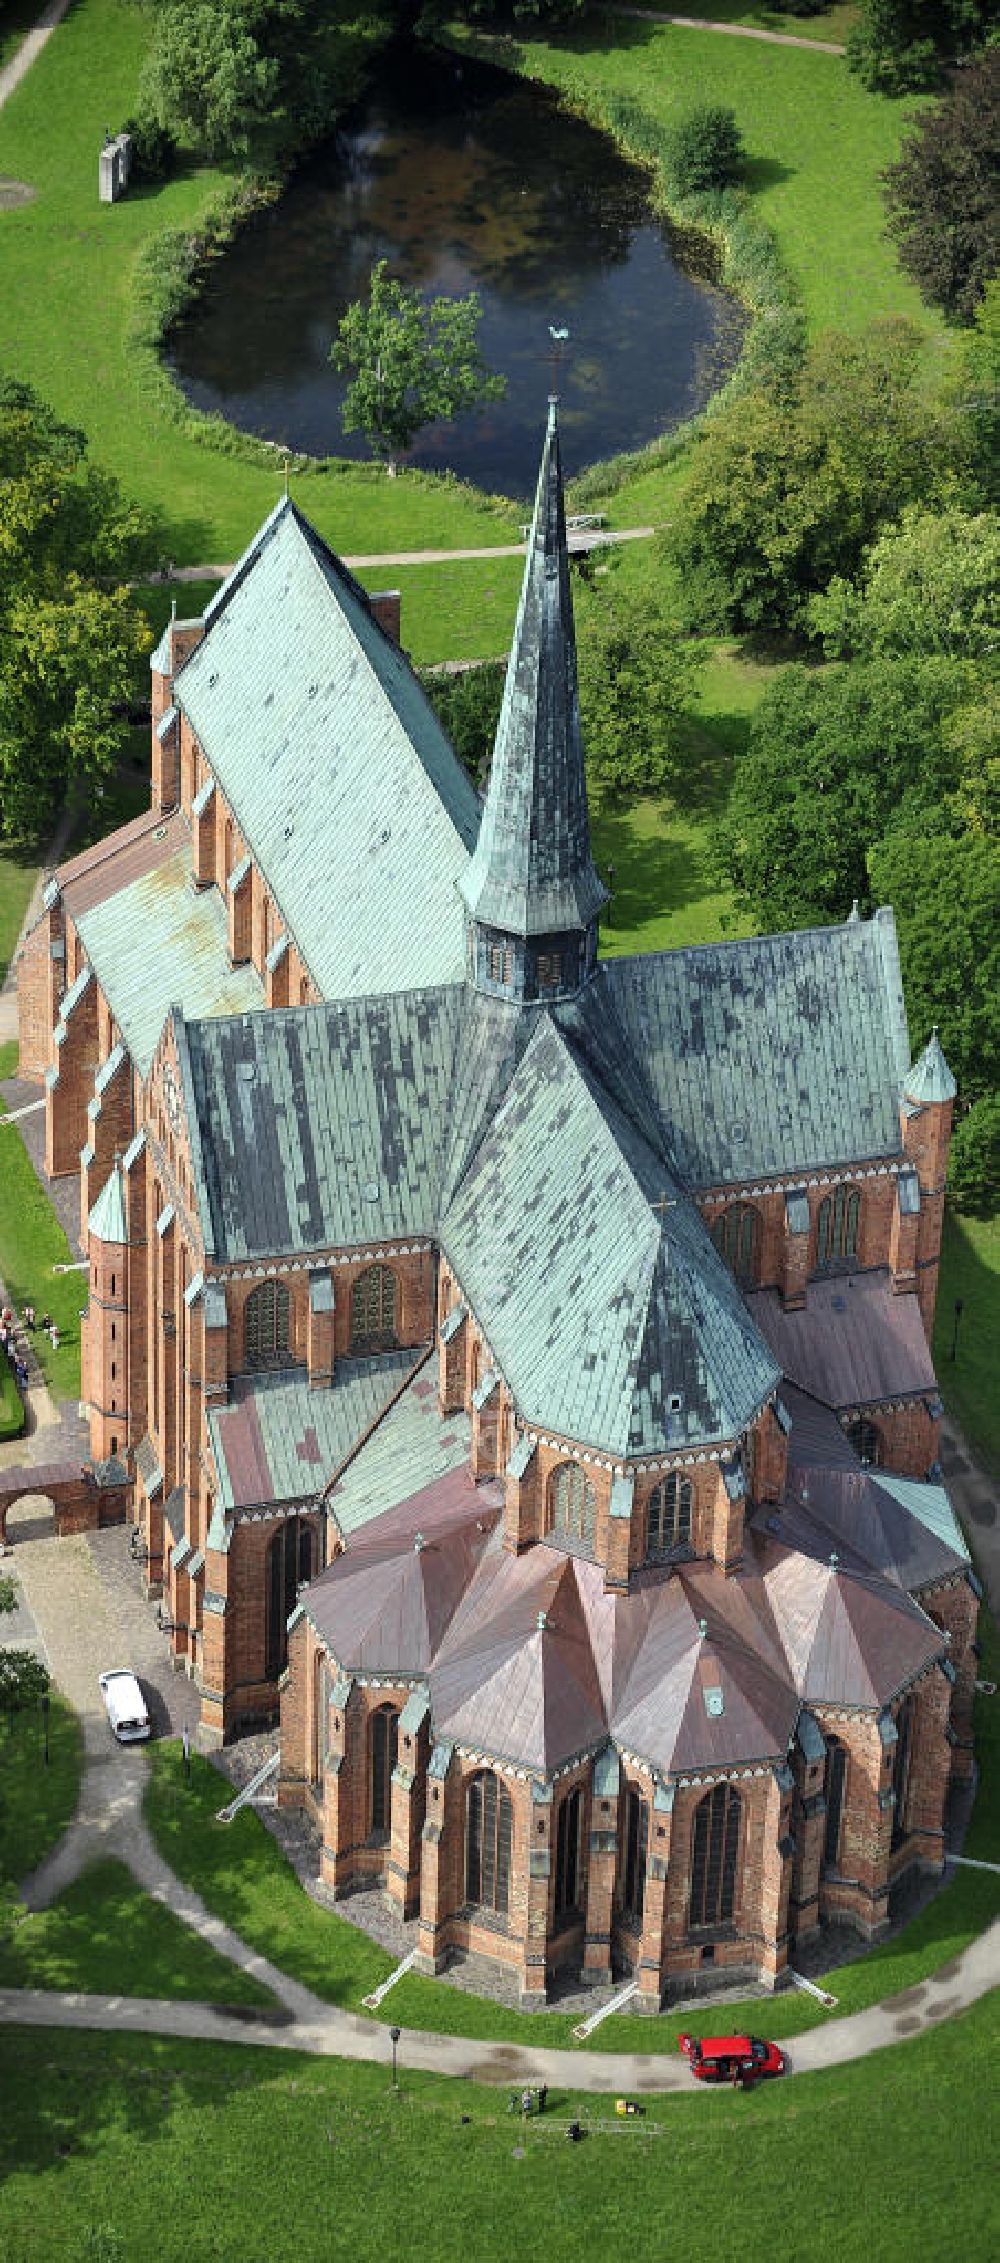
(126, 1706)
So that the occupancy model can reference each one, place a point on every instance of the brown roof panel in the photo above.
(516, 1677)
(130, 854)
(854, 1343)
(851, 1638)
(708, 1699)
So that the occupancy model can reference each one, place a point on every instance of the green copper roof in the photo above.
(781, 1053)
(532, 872)
(161, 942)
(342, 781)
(107, 1221)
(928, 1503)
(930, 1078)
(410, 1449)
(280, 1440)
(321, 1127)
(594, 1280)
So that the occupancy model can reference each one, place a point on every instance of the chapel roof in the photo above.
(279, 1440)
(853, 1343)
(155, 943)
(347, 791)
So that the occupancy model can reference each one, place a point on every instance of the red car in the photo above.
(731, 2058)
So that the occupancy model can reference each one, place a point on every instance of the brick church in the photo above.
(520, 1358)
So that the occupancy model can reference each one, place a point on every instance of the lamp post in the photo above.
(394, 2035)
(45, 1724)
(959, 1307)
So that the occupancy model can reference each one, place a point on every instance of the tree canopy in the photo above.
(900, 46)
(411, 363)
(788, 488)
(943, 193)
(636, 680)
(256, 80)
(930, 585)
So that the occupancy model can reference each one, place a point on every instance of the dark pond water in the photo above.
(465, 178)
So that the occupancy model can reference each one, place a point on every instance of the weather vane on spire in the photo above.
(558, 338)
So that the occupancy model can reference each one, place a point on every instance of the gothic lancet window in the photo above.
(384, 1748)
(633, 1856)
(266, 1325)
(572, 1504)
(901, 1770)
(866, 1439)
(668, 1515)
(567, 1897)
(737, 1237)
(489, 1827)
(834, 1784)
(714, 1851)
(837, 1227)
(373, 1308)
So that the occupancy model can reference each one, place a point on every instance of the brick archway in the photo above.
(83, 1498)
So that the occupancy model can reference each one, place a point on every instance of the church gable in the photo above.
(347, 792)
(776, 1054)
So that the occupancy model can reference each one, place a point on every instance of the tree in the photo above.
(66, 676)
(942, 193)
(23, 1680)
(974, 1161)
(788, 489)
(412, 362)
(929, 584)
(636, 680)
(899, 46)
(704, 148)
(468, 704)
(945, 888)
(833, 756)
(207, 80)
(59, 514)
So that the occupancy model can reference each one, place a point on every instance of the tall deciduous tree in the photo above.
(787, 491)
(412, 363)
(66, 677)
(945, 888)
(898, 46)
(636, 681)
(931, 584)
(943, 193)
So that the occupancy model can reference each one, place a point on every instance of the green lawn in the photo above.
(105, 1936)
(32, 1242)
(970, 1384)
(16, 17)
(125, 2147)
(831, 24)
(37, 1802)
(242, 1875)
(11, 1405)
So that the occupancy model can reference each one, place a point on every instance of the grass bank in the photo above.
(106, 1937)
(37, 1802)
(32, 1243)
(125, 2147)
(970, 1269)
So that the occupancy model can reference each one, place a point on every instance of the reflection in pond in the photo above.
(465, 178)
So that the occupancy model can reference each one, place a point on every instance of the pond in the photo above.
(465, 178)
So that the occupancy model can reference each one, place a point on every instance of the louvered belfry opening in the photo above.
(714, 1856)
(488, 1840)
(267, 1325)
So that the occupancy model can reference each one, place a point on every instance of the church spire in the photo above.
(531, 889)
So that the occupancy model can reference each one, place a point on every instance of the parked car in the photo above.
(731, 2058)
(126, 1706)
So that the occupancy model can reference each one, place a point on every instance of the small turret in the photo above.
(105, 1328)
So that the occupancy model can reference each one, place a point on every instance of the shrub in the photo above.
(704, 149)
(154, 150)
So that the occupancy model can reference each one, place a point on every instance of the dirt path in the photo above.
(733, 31)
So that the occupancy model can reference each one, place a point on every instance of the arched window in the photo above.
(837, 1227)
(384, 1736)
(289, 1560)
(568, 1854)
(901, 1770)
(668, 1515)
(714, 1853)
(321, 1703)
(266, 1323)
(634, 1852)
(572, 1504)
(489, 1830)
(866, 1440)
(737, 1237)
(373, 1308)
(834, 1782)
